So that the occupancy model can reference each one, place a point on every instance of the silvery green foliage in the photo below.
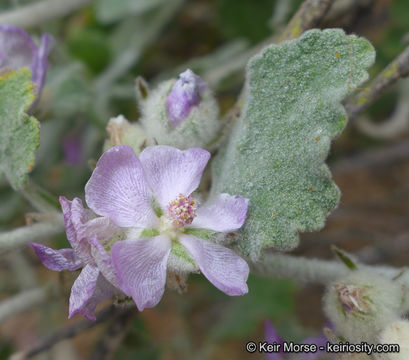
(199, 129)
(362, 304)
(276, 152)
(19, 132)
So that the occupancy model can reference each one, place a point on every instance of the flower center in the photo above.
(182, 210)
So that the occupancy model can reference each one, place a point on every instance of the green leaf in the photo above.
(19, 132)
(346, 258)
(276, 153)
(90, 46)
(246, 19)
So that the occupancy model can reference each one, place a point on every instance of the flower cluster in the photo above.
(149, 225)
(18, 50)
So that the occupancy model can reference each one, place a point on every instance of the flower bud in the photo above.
(362, 304)
(181, 113)
(185, 94)
(18, 50)
(396, 332)
(122, 132)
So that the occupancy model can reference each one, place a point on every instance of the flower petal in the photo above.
(103, 261)
(272, 336)
(227, 213)
(57, 260)
(141, 268)
(16, 47)
(88, 290)
(40, 63)
(75, 218)
(80, 226)
(185, 94)
(118, 189)
(222, 266)
(170, 171)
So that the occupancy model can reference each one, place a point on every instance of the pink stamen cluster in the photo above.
(182, 210)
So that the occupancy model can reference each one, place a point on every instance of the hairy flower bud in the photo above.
(181, 113)
(396, 332)
(362, 304)
(122, 132)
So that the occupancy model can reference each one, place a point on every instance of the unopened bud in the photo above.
(122, 132)
(182, 113)
(362, 304)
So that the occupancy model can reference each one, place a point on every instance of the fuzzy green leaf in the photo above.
(19, 132)
(276, 153)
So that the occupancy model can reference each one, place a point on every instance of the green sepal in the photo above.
(179, 250)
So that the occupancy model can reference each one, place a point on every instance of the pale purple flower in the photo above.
(154, 191)
(18, 50)
(86, 234)
(185, 94)
(272, 337)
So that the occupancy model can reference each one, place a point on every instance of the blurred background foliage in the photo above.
(100, 50)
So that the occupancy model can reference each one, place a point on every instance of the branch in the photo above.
(397, 69)
(21, 270)
(110, 312)
(24, 301)
(113, 335)
(25, 234)
(307, 270)
(40, 12)
(370, 158)
(308, 16)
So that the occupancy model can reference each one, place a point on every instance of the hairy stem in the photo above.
(308, 16)
(22, 271)
(24, 301)
(308, 270)
(385, 155)
(397, 69)
(37, 13)
(37, 232)
(113, 335)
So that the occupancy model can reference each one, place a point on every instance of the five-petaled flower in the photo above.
(150, 225)
(18, 50)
